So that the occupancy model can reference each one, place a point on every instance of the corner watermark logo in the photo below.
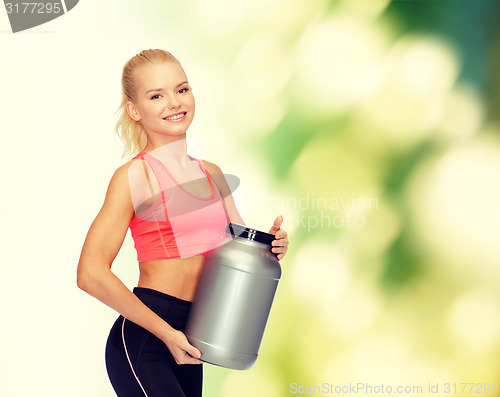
(25, 15)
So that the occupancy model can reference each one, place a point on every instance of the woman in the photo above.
(146, 353)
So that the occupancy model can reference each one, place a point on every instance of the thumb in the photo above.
(193, 351)
(276, 225)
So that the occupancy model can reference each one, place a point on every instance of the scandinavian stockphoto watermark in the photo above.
(354, 388)
(311, 211)
(25, 15)
(365, 388)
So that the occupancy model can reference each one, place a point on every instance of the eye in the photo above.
(183, 90)
(154, 96)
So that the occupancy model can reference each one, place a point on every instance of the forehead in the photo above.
(159, 75)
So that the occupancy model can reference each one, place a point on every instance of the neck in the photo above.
(173, 152)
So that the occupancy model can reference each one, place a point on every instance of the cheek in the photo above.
(155, 110)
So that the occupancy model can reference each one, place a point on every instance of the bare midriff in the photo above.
(177, 277)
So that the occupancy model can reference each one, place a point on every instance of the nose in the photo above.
(172, 102)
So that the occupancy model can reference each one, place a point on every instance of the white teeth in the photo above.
(177, 116)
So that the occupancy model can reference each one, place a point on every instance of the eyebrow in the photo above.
(161, 89)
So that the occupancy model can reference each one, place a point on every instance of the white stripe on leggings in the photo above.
(128, 358)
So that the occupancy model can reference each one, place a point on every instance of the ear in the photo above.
(132, 111)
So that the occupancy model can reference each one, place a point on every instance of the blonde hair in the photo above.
(131, 132)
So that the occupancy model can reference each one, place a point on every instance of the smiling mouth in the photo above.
(175, 117)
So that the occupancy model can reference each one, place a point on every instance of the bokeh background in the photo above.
(372, 126)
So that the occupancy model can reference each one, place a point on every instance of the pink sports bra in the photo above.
(179, 224)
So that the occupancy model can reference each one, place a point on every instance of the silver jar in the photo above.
(233, 299)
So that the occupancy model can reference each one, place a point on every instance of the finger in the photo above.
(279, 250)
(193, 352)
(189, 348)
(187, 359)
(280, 234)
(183, 351)
(183, 357)
(282, 242)
(276, 225)
(191, 360)
(280, 256)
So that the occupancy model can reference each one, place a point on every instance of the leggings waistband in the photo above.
(161, 297)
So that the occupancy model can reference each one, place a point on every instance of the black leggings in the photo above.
(140, 365)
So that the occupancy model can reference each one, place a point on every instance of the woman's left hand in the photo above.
(280, 243)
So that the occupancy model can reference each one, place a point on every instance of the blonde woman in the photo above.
(177, 208)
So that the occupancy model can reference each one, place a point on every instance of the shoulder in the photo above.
(121, 174)
(125, 176)
(211, 167)
(133, 173)
(119, 182)
(219, 177)
(135, 182)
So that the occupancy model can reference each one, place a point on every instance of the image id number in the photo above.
(470, 387)
(33, 8)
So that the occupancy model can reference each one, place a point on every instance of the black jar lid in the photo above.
(247, 233)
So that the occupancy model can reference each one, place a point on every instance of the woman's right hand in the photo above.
(182, 351)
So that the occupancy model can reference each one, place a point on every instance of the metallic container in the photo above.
(233, 299)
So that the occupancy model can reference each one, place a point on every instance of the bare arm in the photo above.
(94, 276)
(280, 244)
(223, 186)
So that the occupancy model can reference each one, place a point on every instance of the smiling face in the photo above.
(165, 103)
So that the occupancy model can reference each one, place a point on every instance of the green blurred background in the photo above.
(372, 126)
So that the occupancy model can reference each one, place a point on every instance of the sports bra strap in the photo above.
(207, 174)
(147, 174)
(170, 252)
